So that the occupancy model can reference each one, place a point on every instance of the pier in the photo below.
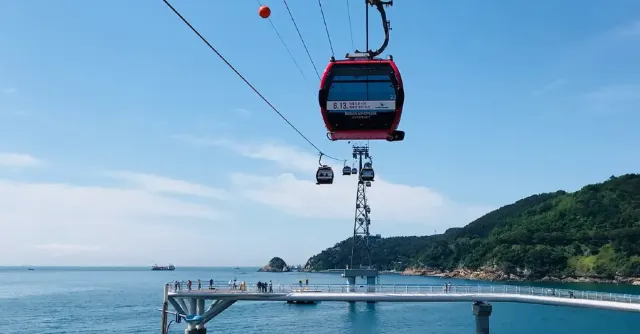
(189, 304)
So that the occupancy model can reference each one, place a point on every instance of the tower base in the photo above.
(352, 274)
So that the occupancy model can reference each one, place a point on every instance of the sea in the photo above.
(51, 300)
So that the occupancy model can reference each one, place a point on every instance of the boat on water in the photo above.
(157, 267)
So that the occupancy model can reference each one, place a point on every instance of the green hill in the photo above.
(593, 232)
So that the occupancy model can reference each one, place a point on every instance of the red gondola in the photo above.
(362, 96)
(362, 99)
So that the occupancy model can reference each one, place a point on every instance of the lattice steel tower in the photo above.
(362, 221)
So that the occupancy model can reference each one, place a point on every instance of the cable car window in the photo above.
(362, 91)
(370, 82)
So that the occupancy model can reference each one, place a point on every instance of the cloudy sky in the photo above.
(125, 141)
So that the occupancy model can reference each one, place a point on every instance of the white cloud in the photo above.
(549, 87)
(68, 247)
(614, 98)
(629, 30)
(285, 156)
(193, 140)
(615, 93)
(390, 202)
(302, 197)
(57, 250)
(148, 219)
(161, 184)
(56, 223)
(243, 112)
(8, 159)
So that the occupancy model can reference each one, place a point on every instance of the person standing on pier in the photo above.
(199, 284)
(270, 287)
(211, 284)
(189, 285)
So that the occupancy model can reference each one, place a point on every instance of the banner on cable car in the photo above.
(361, 105)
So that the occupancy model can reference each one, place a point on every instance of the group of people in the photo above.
(233, 285)
(261, 286)
(177, 285)
(265, 287)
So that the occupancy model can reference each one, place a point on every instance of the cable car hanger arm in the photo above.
(379, 4)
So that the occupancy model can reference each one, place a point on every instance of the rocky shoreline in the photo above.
(493, 274)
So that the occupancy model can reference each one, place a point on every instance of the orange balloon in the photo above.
(264, 12)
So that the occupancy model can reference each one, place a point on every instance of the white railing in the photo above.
(204, 286)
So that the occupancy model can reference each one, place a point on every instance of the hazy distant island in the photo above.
(591, 235)
(276, 264)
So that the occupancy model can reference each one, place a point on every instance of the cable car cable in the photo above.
(350, 27)
(287, 48)
(301, 39)
(333, 54)
(175, 11)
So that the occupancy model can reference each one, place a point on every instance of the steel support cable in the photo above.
(287, 48)
(350, 27)
(175, 11)
(333, 54)
(301, 39)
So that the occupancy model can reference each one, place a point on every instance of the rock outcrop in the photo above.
(275, 265)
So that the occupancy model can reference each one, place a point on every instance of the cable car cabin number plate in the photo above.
(361, 105)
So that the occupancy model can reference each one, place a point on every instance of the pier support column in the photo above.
(351, 284)
(482, 311)
(200, 307)
(371, 283)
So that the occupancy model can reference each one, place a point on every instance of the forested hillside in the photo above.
(593, 232)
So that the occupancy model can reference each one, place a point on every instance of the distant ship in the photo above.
(157, 267)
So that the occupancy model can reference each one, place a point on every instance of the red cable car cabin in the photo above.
(362, 99)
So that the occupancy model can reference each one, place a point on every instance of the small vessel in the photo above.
(30, 269)
(157, 267)
(237, 267)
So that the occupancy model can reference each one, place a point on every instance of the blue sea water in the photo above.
(52, 300)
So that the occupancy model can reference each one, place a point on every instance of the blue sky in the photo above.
(124, 140)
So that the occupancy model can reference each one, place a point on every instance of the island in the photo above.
(275, 265)
(591, 235)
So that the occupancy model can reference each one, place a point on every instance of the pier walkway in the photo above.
(189, 304)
